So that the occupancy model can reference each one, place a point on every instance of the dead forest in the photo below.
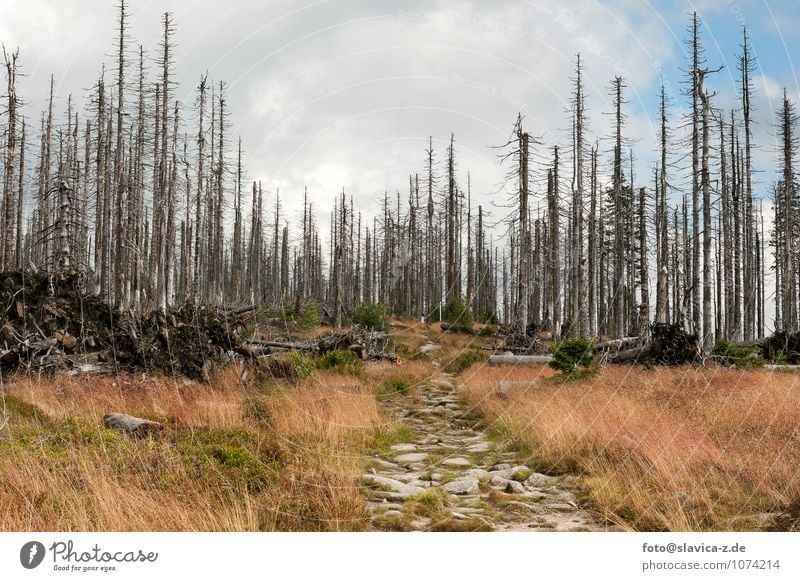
(146, 197)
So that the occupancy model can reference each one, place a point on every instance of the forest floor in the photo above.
(441, 442)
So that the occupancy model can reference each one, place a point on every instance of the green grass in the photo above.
(464, 361)
(385, 439)
(342, 362)
(394, 386)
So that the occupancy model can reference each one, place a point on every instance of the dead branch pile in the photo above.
(49, 322)
(782, 347)
(668, 345)
(523, 344)
(371, 345)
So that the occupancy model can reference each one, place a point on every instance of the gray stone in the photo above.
(403, 448)
(462, 486)
(503, 473)
(422, 483)
(131, 425)
(514, 487)
(520, 473)
(561, 507)
(436, 477)
(385, 465)
(457, 462)
(411, 458)
(479, 447)
(429, 347)
(537, 480)
(397, 488)
(446, 383)
(499, 481)
(478, 473)
(470, 510)
(502, 466)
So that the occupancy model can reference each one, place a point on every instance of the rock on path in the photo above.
(453, 477)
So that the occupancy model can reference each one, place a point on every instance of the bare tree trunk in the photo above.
(19, 259)
(708, 331)
(696, 96)
(580, 294)
(619, 273)
(592, 267)
(524, 235)
(662, 266)
(9, 206)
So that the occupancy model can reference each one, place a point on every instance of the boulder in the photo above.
(131, 426)
(397, 489)
(411, 458)
(462, 486)
(457, 462)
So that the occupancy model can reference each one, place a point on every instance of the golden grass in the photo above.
(662, 449)
(234, 457)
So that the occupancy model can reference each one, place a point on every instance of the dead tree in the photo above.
(9, 207)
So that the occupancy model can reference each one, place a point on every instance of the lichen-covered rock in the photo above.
(131, 425)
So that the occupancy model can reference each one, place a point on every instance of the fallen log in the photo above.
(131, 425)
(629, 354)
(511, 359)
(616, 344)
(289, 345)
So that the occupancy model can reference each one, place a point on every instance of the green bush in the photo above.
(291, 366)
(464, 361)
(570, 355)
(370, 316)
(730, 354)
(458, 315)
(435, 315)
(487, 316)
(302, 364)
(309, 316)
(394, 385)
(343, 362)
(487, 331)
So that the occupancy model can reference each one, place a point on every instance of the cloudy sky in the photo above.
(344, 93)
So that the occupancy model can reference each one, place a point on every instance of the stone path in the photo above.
(453, 477)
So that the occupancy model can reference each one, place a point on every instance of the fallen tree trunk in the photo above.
(629, 354)
(289, 345)
(511, 359)
(617, 344)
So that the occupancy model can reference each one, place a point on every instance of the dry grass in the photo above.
(662, 449)
(234, 458)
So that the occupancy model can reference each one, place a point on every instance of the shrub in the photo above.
(458, 315)
(343, 362)
(731, 354)
(370, 316)
(292, 366)
(302, 364)
(570, 355)
(394, 385)
(310, 316)
(487, 331)
(464, 361)
(487, 316)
